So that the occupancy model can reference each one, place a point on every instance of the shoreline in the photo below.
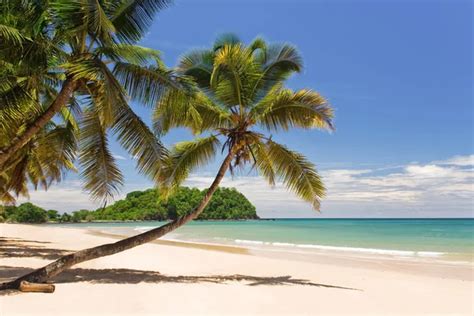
(448, 269)
(433, 239)
(178, 243)
(156, 278)
(244, 246)
(404, 253)
(256, 219)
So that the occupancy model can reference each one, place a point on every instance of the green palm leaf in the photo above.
(297, 173)
(140, 142)
(192, 110)
(283, 108)
(263, 162)
(145, 84)
(101, 175)
(11, 36)
(57, 149)
(226, 39)
(99, 23)
(278, 62)
(185, 157)
(44, 160)
(258, 45)
(197, 64)
(132, 18)
(133, 54)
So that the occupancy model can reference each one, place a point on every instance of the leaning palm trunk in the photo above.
(47, 272)
(34, 127)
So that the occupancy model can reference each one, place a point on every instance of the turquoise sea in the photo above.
(451, 239)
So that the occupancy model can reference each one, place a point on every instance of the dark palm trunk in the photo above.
(19, 141)
(45, 273)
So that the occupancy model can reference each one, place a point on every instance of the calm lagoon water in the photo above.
(445, 238)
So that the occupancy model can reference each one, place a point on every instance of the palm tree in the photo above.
(238, 94)
(44, 160)
(77, 59)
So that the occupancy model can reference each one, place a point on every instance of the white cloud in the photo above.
(458, 161)
(69, 196)
(119, 157)
(441, 188)
(66, 196)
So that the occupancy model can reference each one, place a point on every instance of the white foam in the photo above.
(252, 242)
(144, 228)
(429, 254)
(404, 253)
(283, 244)
(390, 252)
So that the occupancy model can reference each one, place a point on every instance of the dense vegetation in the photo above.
(227, 203)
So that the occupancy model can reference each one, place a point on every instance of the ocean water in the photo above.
(451, 239)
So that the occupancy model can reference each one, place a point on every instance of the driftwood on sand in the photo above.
(36, 287)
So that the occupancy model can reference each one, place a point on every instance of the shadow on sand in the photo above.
(20, 248)
(17, 248)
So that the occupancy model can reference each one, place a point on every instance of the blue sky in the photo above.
(399, 75)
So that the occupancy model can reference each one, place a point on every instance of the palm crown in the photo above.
(239, 93)
(73, 65)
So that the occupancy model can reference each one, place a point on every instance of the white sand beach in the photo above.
(183, 279)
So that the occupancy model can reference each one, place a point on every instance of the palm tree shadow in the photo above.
(17, 248)
(131, 276)
(21, 248)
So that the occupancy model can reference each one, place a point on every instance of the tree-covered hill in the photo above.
(227, 203)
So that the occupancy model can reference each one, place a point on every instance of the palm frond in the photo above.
(44, 160)
(85, 68)
(177, 108)
(59, 146)
(234, 71)
(101, 175)
(263, 163)
(11, 36)
(15, 101)
(173, 109)
(135, 136)
(226, 39)
(71, 114)
(70, 16)
(103, 89)
(133, 54)
(185, 157)
(132, 18)
(280, 60)
(84, 17)
(17, 175)
(297, 173)
(212, 115)
(145, 83)
(197, 64)
(283, 108)
(6, 197)
(277, 63)
(53, 155)
(259, 45)
(69, 118)
(98, 22)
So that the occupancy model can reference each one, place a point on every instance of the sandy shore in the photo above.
(181, 279)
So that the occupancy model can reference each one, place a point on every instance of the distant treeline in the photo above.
(226, 203)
